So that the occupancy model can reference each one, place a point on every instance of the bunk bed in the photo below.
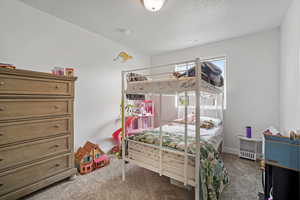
(175, 149)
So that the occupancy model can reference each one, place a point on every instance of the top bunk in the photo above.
(175, 78)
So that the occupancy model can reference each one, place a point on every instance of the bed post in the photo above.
(185, 138)
(222, 115)
(216, 107)
(222, 107)
(160, 135)
(197, 128)
(123, 126)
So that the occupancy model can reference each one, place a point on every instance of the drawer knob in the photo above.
(56, 126)
(2, 108)
(57, 165)
(1, 184)
(2, 83)
(57, 86)
(1, 159)
(1, 134)
(56, 107)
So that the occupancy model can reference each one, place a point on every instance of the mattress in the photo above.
(173, 137)
(169, 85)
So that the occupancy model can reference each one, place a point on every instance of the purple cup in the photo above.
(248, 132)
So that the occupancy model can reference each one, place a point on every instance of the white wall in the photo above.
(290, 69)
(34, 40)
(252, 80)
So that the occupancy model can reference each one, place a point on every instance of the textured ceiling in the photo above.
(180, 23)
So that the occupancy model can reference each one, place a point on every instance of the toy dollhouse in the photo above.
(84, 161)
(90, 157)
(99, 158)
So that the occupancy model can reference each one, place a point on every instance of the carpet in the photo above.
(142, 184)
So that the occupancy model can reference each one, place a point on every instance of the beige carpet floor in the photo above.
(142, 184)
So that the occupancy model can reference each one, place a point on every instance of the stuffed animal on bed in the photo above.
(207, 124)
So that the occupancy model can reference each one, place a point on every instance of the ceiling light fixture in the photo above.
(153, 5)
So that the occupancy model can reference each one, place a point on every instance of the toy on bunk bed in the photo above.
(141, 117)
(90, 157)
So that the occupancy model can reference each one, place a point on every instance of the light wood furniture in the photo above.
(36, 131)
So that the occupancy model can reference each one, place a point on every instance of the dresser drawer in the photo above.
(15, 132)
(16, 179)
(28, 108)
(34, 86)
(20, 154)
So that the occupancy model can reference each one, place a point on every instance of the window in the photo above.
(87, 159)
(207, 101)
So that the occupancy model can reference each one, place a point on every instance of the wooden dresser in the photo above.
(36, 131)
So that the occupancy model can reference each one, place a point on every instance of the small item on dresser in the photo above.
(292, 134)
(298, 134)
(69, 72)
(248, 132)
(7, 66)
(271, 131)
(267, 132)
(59, 71)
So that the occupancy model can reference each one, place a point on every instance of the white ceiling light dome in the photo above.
(153, 5)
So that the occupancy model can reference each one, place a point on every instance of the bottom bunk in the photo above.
(148, 156)
(213, 174)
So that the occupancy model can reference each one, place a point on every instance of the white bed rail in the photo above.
(197, 89)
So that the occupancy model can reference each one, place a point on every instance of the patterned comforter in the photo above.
(213, 174)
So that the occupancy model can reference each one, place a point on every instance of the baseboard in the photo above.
(230, 150)
(234, 151)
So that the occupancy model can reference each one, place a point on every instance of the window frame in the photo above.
(209, 59)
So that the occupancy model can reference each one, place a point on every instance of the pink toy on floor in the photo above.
(116, 135)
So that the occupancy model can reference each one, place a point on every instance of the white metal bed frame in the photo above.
(170, 161)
